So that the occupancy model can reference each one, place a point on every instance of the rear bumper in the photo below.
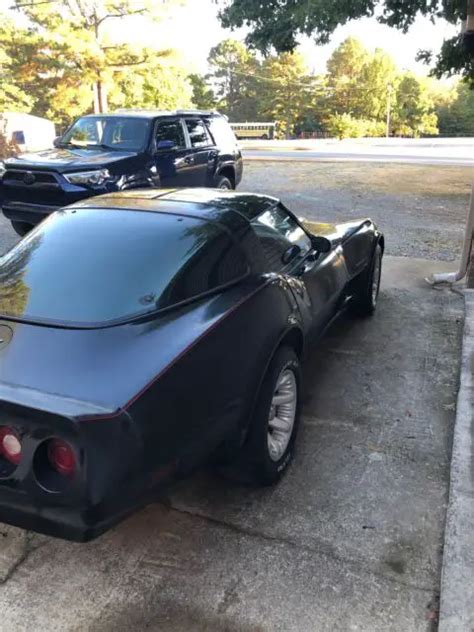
(25, 212)
(67, 522)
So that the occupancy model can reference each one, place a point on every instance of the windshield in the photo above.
(110, 132)
(89, 266)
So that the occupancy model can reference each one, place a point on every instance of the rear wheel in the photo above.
(223, 183)
(268, 449)
(367, 290)
(21, 228)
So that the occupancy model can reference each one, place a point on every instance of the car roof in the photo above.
(205, 203)
(149, 114)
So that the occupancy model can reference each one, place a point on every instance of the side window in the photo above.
(170, 131)
(198, 133)
(277, 231)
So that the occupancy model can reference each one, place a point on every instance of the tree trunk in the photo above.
(100, 98)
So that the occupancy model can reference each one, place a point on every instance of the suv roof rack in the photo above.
(165, 112)
(200, 112)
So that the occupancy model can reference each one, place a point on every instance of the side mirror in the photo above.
(290, 254)
(57, 141)
(165, 144)
(321, 244)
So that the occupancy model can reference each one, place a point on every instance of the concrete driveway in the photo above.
(351, 538)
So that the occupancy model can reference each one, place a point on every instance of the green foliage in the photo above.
(289, 91)
(351, 100)
(203, 96)
(346, 126)
(456, 112)
(279, 23)
(62, 58)
(234, 70)
(414, 108)
(12, 97)
(161, 83)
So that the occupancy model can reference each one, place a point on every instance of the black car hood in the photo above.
(65, 159)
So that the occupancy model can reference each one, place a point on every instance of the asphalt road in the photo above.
(317, 156)
(415, 151)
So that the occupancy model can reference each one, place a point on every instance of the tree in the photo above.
(234, 72)
(455, 112)
(366, 91)
(12, 97)
(162, 83)
(344, 69)
(288, 94)
(63, 59)
(413, 113)
(278, 24)
(359, 81)
(203, 96)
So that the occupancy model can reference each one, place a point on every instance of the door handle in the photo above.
(189, 160)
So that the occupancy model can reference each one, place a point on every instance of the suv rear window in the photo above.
(89, 266)
(221, 132)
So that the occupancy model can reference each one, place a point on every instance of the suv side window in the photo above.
(222, 132)
(277, 231)
(170, 130)
(198, 134)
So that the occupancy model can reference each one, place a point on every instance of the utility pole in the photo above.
(389, 107)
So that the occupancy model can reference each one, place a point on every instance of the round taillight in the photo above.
(10, 445)
(61, 457)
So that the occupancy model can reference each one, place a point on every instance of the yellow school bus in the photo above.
(264, 131)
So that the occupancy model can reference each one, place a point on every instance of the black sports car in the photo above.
(143, 333)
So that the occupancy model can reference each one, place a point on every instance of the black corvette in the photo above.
(143, 333)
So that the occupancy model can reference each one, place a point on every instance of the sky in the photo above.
(195, 28)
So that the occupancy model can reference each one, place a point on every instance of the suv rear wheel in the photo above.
(21, 228)
(223, 183)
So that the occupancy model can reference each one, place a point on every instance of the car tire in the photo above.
(268, 450)
(223, 183)
(367, 288)
(21, 228)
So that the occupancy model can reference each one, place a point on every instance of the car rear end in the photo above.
(58, 473)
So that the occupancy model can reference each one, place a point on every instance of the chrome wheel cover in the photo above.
(281, 418)
(376, 278)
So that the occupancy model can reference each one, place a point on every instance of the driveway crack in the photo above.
(27, 549)
(323, 550)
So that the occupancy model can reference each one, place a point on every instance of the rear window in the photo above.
(221, 132)
(90, 266)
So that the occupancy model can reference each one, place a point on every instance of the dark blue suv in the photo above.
(129, 149)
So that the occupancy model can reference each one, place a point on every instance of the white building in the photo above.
(30, 133)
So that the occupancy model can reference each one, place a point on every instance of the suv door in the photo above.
(203, 152)
(172, 157)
